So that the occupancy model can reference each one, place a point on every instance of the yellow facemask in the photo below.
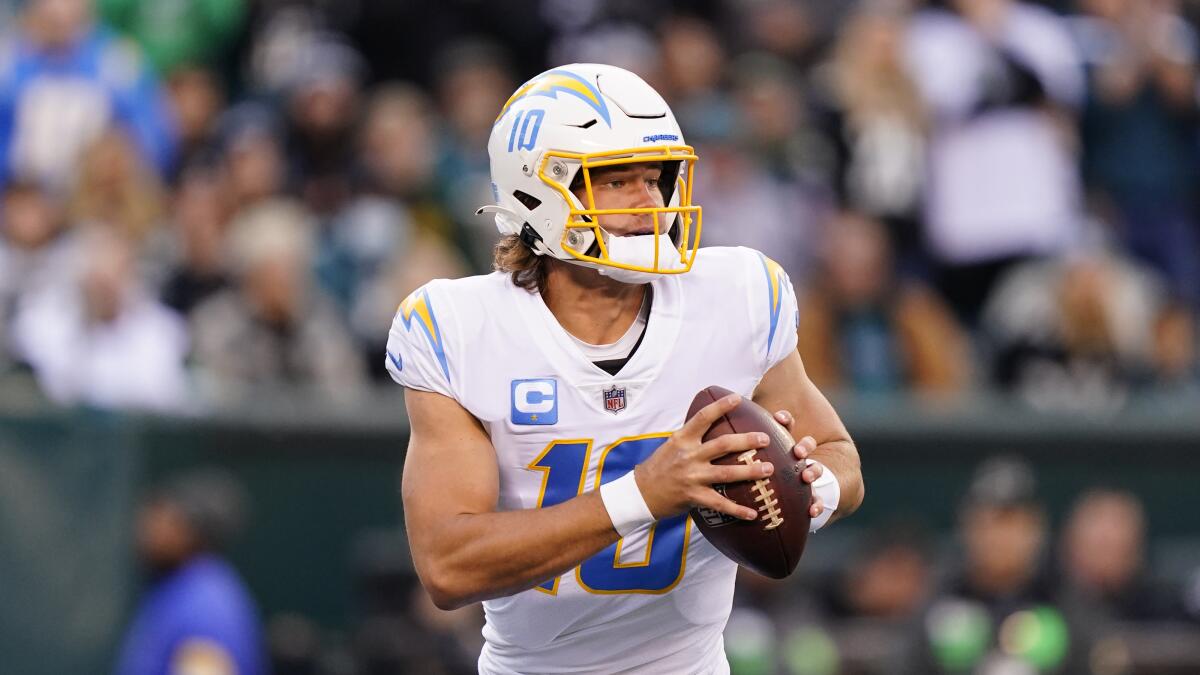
(689, 215)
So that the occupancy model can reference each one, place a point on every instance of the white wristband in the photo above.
(830, 491)
(625, 505)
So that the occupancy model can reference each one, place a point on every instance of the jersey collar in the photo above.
(662, 332)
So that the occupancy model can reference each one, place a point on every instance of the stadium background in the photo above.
(205, 235)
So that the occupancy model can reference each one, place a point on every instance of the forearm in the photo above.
(478, 556)
(787, 387)
(841, 457)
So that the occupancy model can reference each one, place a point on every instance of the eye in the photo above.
(615, 184)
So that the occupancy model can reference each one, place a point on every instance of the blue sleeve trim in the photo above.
(420, 306)
(775, 276)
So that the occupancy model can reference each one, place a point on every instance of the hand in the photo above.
(680, 474)
(802, 450)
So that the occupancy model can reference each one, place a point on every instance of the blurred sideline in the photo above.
(324, 549)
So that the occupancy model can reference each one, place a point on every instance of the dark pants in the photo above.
(967, 287)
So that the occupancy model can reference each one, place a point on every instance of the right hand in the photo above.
(680, 474)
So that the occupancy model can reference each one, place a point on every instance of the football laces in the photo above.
(768, 505)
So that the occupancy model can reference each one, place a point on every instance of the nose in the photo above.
(646, 199)
(647, 193)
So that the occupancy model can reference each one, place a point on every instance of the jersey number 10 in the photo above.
(564, 467)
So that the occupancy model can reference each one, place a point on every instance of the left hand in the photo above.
(802, 450)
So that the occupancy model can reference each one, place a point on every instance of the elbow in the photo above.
(859, 495)
(859, 488)
(853, 498)
(446, 591)
(450, 578)
(853, 489)
(446, 601)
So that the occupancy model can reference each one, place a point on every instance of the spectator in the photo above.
(322, 96)
(783, 28)
(1139, 132)
(752, 185)
(177, 33)
(102, 340)
(999, 589)
(472, 76)
(773, 121)
(35, 252)
(693, 72)
(197, 266)
(63, 81)
(473, 82)
(861, 330)
(876, 121)
(198, 97)
(999, 79)
(398, 145)
(1103, 558)
(251, 146)
(888, 579)
(1080, 333)
(358, 244)
(115, 188)
(196, 615)
(274, 327)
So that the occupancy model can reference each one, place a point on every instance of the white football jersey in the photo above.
(657, 600)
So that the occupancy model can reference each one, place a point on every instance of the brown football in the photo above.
(772, 544)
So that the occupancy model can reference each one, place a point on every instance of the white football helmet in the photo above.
(578, 118)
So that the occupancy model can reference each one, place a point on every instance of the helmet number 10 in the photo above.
(525, 130)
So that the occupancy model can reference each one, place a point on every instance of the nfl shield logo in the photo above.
(614, 399)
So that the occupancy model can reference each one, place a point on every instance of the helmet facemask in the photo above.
(671, 249)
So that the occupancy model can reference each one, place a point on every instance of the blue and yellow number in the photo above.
(528, 124)
(564, 466)
(558, 462)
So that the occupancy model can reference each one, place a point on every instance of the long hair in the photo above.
(513, 257)
(527, 268)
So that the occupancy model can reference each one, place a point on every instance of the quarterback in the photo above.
(550, 468)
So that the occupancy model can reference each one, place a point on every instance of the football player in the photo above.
(550, 469)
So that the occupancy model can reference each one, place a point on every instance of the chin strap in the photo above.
(531, 238)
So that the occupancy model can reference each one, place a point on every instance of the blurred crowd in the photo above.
(202, 197)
